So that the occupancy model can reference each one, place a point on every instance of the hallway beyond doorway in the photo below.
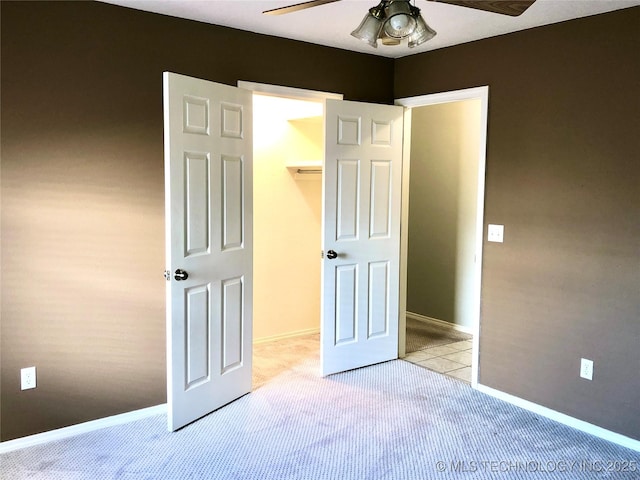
(440, 349)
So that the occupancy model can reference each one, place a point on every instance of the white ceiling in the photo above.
(331, 24)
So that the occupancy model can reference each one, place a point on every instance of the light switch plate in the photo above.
(495, 233)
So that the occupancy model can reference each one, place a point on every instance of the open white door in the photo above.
(361, 237)
(208, 174)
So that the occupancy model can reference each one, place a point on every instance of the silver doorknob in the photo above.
(331, 254)
(180, 274)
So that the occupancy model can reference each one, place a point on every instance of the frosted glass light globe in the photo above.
(400, 26)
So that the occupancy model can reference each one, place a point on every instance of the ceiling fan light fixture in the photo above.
(399, 22)
(422, 33)
(394, 20)
(371, 26)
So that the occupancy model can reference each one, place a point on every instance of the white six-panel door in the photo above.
(361, 202)
(208, 163)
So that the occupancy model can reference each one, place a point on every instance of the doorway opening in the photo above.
(443, 214)
(288, 158)
(361, 219)
(442, 223)
(287, 208)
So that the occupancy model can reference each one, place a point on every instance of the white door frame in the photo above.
(288, 92)
(477, 93)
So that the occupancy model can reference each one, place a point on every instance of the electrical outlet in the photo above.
(495, 233)
(586, 369)
(28, 378)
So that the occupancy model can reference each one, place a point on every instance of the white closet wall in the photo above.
(287, 216)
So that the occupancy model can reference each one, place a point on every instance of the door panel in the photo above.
(378, 299)
(232, 195)
(361, 200)
(231, 347)
(348, 208)
(208, 163)
(197, 190)
(380, 199)
(346, 311)
(198, 326)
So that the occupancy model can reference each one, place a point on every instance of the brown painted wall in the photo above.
(83, 191)
(82, 199)
(563, 176)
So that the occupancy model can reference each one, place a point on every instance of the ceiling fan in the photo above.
(394, 20)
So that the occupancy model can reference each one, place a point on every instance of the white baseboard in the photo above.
(581, 425)
(72, 431)
(440, 323)
(297, 333)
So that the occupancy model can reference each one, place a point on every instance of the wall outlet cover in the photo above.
(495, 233)
(28, 378)
(586, 368)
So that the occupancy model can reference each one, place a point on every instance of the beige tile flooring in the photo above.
(270, 359)
(273, 358)
(453, 359)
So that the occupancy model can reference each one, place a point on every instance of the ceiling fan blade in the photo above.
(297, 6)
(513, 8)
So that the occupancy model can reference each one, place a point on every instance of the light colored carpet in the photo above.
(421, 335)
(388, 421)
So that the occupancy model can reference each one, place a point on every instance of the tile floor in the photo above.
(453, 359)
(271, 359)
